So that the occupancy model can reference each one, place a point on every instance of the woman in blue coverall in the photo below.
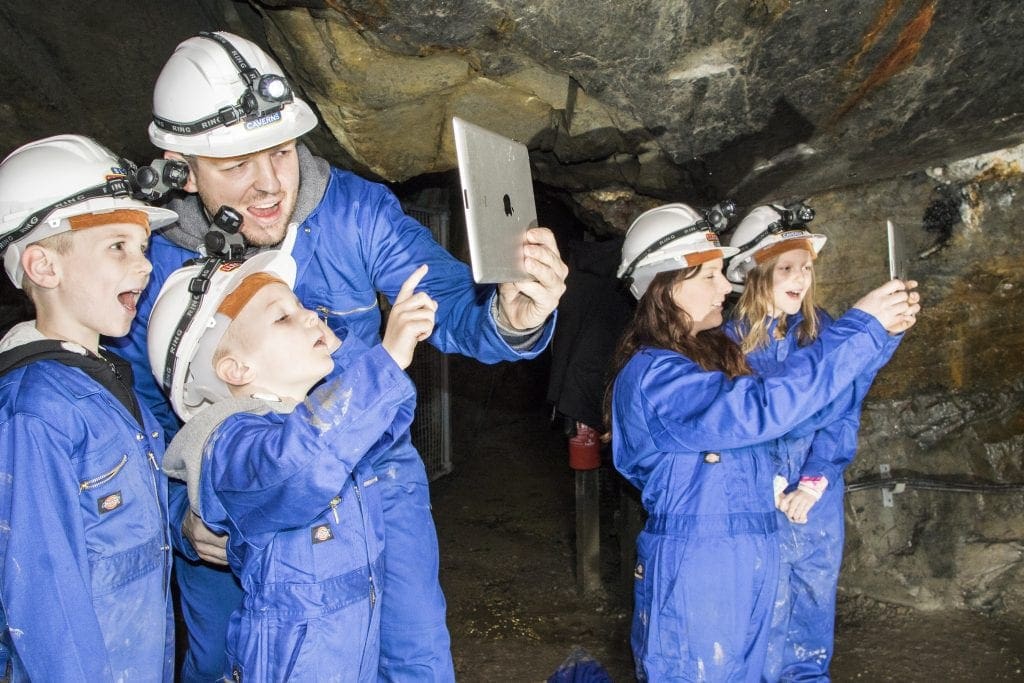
(694, 430)
(775, 316)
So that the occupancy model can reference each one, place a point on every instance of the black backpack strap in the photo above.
(113, 374)
(43, 349)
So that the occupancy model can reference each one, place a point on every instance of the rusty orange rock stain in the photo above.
(1000, 170)
(908, 45)
(882, 21)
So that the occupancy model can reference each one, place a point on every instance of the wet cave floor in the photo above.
(506, 527)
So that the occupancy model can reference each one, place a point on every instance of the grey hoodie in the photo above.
(184, 457)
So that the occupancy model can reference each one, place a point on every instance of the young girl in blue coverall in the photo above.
(776, 315)
(694, 431)
(288, 477)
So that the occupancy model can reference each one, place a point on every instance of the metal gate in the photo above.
(431, 428)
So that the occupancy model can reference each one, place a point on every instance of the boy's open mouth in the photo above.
(130, 299)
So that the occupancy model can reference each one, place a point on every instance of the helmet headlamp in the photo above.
(224, 238)
(273, 88)
(264, 95)
(715, 220)
(793, 217)
(718, 216)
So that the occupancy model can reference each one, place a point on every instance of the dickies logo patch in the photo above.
(321, 533)
(712, 458)
(109, 502)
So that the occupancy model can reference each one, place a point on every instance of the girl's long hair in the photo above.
(756, 304)
(659, 323)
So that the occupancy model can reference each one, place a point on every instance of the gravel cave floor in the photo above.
(506, 527)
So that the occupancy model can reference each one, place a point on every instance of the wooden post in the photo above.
(588, 531)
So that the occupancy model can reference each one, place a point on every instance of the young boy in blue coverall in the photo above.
(288, 477)
(85, 558)
(352, 243)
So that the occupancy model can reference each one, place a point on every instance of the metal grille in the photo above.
(431, 429)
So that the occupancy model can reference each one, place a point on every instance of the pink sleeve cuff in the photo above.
(815, 486)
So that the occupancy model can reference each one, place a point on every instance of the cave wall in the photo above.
(949, 407)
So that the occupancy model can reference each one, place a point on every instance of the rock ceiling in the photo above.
(665, 99)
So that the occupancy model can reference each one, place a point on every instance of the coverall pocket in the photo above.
(103, 478)
(120, 502)
(670, 621)
(659, 636)
(272, 652)
(347, 310)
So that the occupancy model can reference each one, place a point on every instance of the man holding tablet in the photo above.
(351, 240)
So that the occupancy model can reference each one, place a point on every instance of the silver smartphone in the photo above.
(897, 252)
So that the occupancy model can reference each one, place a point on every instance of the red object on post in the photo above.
(585, 448)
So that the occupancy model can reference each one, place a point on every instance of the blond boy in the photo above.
(84, 550)
(287, 473)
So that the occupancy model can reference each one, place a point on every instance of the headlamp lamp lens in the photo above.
(795, 216)
(273, 88)
(717, 217)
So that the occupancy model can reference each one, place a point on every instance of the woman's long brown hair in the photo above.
(659, 323)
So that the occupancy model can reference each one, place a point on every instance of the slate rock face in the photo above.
(743, 99)
(948, 410)
(667, 100)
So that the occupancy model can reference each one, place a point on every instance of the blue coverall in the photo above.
(297, 494)
(803, 623)
(699, 447)
(84, 549)
(355, 243)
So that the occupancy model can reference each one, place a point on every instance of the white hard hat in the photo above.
(662, 239)
(185, 327)
(46, 182)
(763, 227)
(220, 95)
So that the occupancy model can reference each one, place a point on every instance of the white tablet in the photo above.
(497, 196)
